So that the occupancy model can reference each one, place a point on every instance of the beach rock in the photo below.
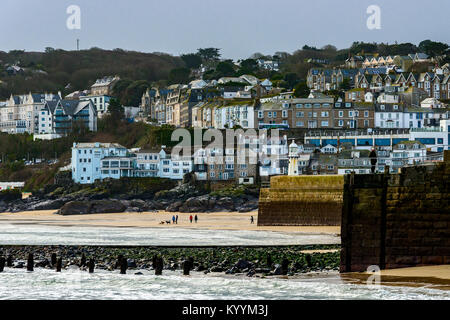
(224, 204)
(278, 271)
(106, 206)
(216, 269)
(173, 207)
(74, 207)
(47, 205)
(242, 264)
(200, 268)
(131, 263)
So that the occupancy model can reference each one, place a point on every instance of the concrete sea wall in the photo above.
(301, 200)
(398, 220)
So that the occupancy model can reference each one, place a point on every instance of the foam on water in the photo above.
(75, 284)
(26, 234)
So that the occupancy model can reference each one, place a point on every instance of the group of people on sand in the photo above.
(191, 218)
(195, 218)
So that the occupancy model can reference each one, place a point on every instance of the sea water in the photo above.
(172, 285)
(29, 234)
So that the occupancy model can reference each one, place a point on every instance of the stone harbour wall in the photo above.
(398, 220)
(301, 201)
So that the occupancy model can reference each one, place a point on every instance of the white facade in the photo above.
(175, 168)
(228, 117)
(87, 160)
(100, 102)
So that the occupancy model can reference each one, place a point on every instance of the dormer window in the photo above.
(395, 107)
(382, 107)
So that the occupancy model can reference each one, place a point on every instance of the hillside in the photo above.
(53, 70)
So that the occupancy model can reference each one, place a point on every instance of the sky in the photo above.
(238, 27)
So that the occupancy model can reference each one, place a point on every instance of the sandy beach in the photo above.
(211, 221)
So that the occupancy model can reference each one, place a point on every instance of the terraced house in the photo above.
(21, 113)
(314, 112)
(70, 113)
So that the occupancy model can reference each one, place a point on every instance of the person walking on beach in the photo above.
(190, 218)
(252, 220)
(176, 219)
(196, 218)
(173, 219)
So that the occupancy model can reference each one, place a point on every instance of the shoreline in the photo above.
(208, 221)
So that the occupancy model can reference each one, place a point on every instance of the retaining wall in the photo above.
(398, 220)
(301, 200)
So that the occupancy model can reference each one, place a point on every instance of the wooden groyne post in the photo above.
(83, 260)
(159, 266)
(91, 265)
(53, 259)
(59, 265)
(123, 266)
(9, 261)
(30, 262)
(2, 263)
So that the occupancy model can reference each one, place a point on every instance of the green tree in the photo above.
(345, 85)
(192, 60)
(115, 109)
(225, 69)
(291, 79)
(209, 54)
(433, 48)
(179, 75)
(301, 90)
(248, 66)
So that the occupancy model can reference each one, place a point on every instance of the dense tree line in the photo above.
(67, 71)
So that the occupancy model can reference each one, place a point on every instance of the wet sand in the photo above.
(211, 221)
(436, 277)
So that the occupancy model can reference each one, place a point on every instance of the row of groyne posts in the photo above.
(121, 263)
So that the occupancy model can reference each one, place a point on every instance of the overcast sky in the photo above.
(239, 27)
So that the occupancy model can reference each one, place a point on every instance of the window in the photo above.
(366, 114)
(300, 124)
(300, 114)
(341, 114)
(324, 113)
(340, 123)
(299, 105)
(324, 123)
(284, 113)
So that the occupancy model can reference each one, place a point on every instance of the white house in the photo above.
(267, 84)
(96, 161)
(176, 167)
(101, 103)
(229, 116)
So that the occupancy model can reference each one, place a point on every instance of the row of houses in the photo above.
(321, 112)
(322, 152)
(173, 105)
(371, 61)
(435, 83)
(45, 114)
